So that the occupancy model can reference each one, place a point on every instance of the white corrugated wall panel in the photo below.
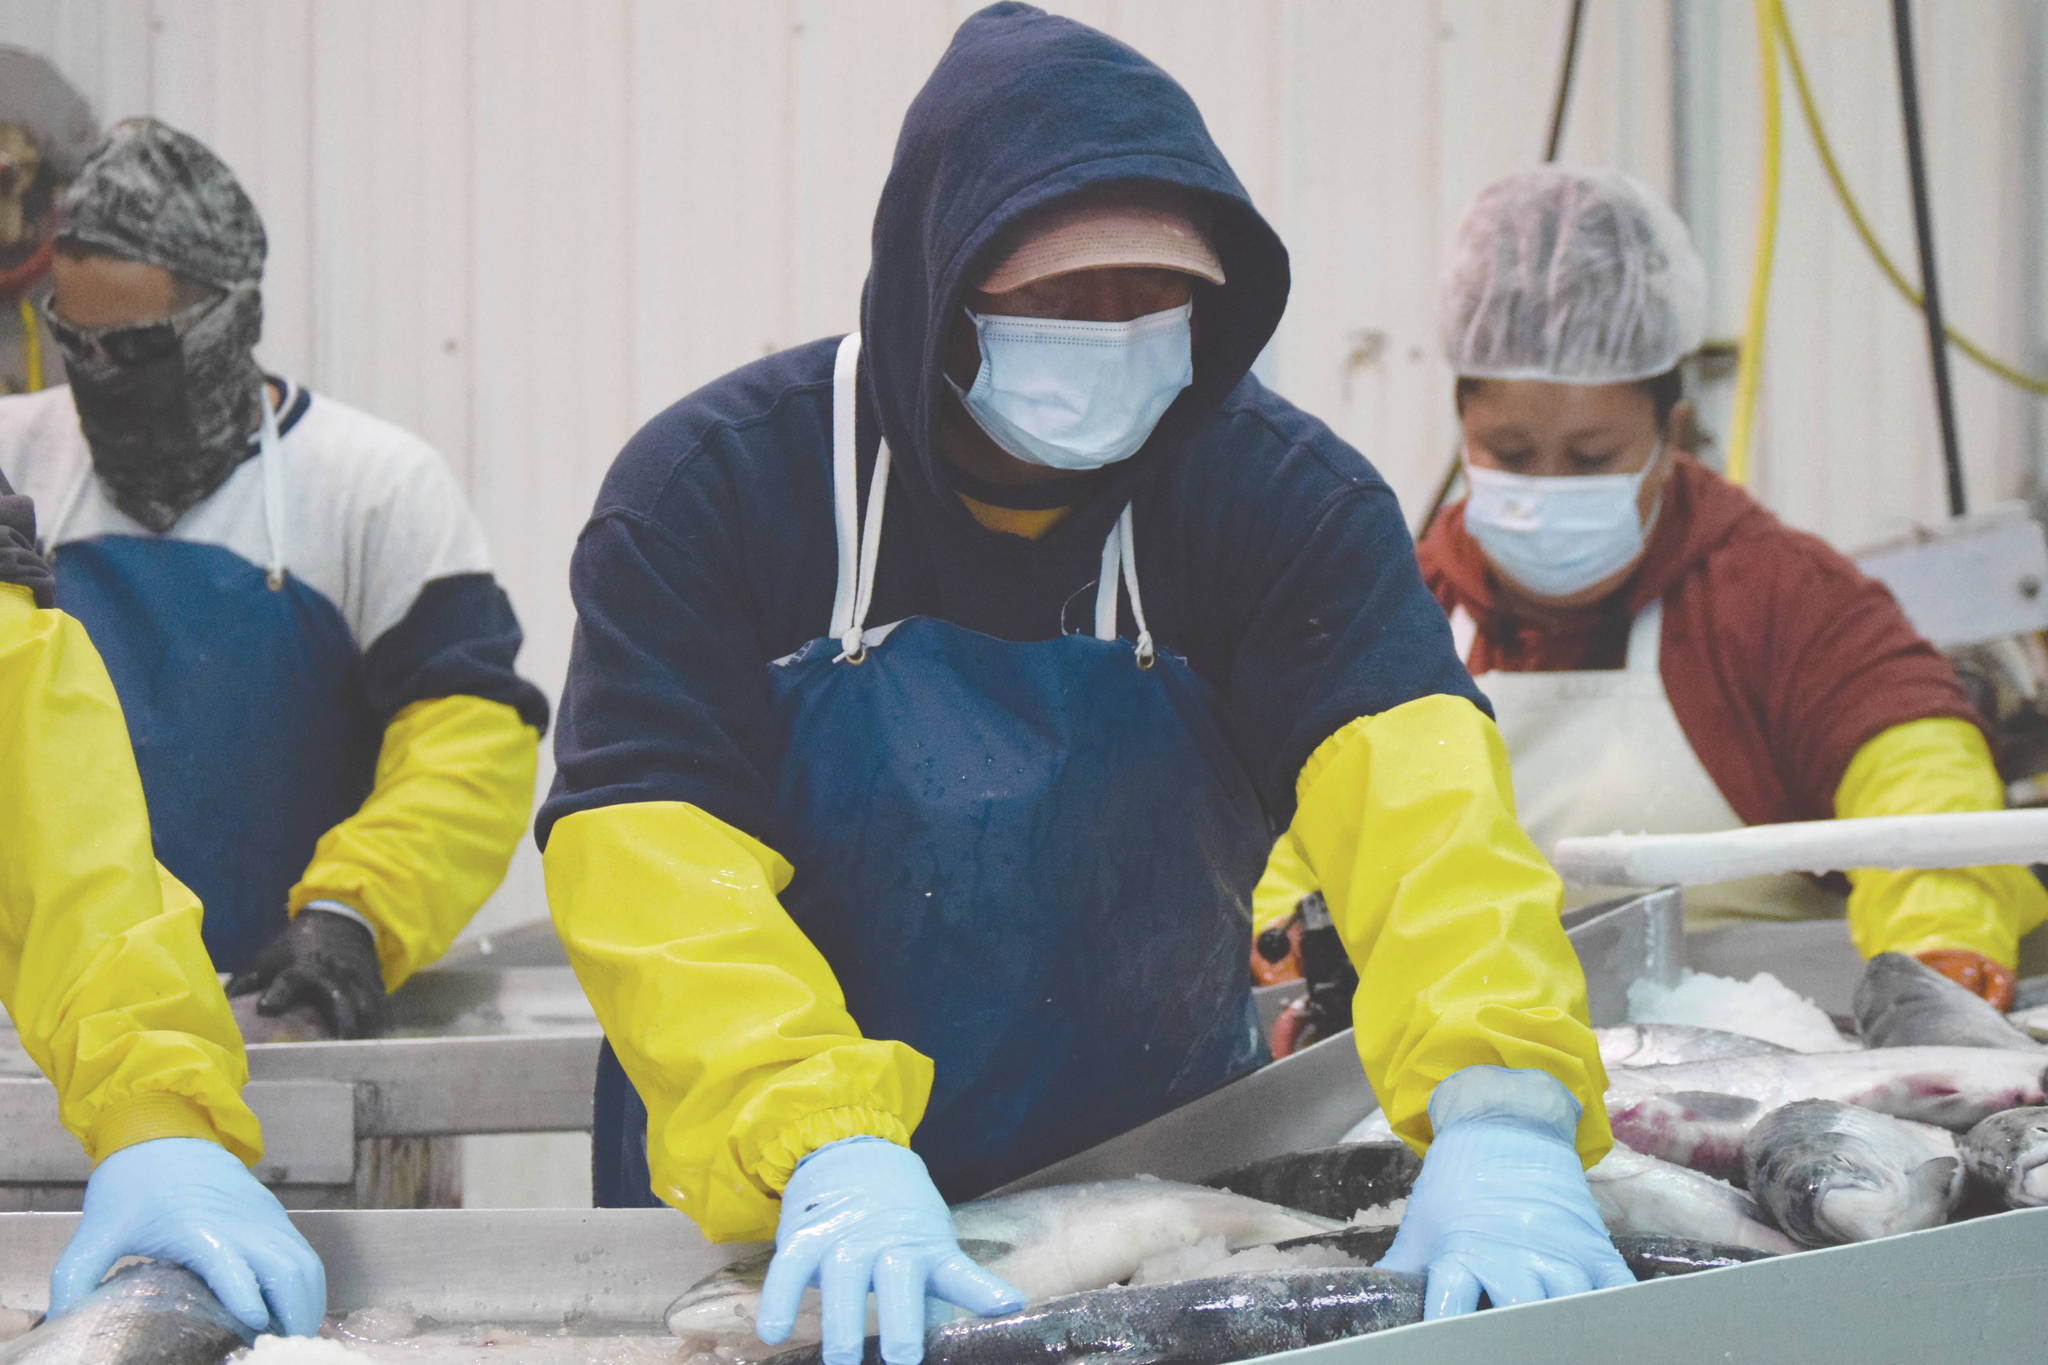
(713, 277)
(552, 309)
(390, 154)
(1389, 117)
(103, 46)
(235, 73)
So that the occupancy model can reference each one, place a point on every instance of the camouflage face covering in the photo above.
(153, 194)
(169, 421)
(167, 408)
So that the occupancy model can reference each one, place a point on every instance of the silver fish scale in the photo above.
(152, 1313)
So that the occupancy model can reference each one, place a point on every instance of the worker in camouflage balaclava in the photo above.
(167, 407)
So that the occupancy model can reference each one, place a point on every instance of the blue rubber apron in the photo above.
(243, 692)
(1032, 862)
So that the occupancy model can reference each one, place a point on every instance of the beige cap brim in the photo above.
(1091, 237)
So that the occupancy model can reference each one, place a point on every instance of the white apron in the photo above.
(1601, 752)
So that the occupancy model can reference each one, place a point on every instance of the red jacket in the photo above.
(1781, 659)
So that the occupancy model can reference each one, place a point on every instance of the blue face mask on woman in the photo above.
(1558, 535)
(1077, 395)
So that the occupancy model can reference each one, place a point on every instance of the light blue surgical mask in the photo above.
(1558, 535)
(1077, 395)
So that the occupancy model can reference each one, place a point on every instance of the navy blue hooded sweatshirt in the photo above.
(1270, 553)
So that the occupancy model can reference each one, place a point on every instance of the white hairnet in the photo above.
(1571, 275)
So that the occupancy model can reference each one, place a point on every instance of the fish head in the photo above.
(1901, 1000)
(2027, 1185)
(1870, 1199)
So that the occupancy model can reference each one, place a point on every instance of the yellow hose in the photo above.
(2010, 374)
(32, 347)
(1750, 370)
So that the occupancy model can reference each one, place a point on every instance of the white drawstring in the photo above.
(1105, 584)
(870, 553)
(1120, 565)
(845, 484)
(1146, 654)
(859, 549)
(273, 490)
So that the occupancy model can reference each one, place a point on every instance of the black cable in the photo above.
(1923, 231)
(1551, 144)
(1564, 81)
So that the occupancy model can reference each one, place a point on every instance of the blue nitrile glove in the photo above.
(1502, 1203)
(188, 1200)
(861, 1212)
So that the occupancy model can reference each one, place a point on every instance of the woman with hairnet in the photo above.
(1662, 653)
(103, 974)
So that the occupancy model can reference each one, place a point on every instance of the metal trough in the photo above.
(1311, 1098)
(1968, 1291)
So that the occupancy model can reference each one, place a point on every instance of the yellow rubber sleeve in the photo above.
(1927, 767)
(101, 964)
(450, 802)
(725, 1017)
(1282, 885)
(1448, 912)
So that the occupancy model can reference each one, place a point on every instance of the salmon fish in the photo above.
(1641, 1195)
(1901, 1002)
(1046, 1242)
(1192, 1322)
(2007, 1154)
(149, 1313)
(1832, 1173)
(1951, 1087)
(1669, 1044)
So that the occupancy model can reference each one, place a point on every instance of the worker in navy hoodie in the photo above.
(936, 694)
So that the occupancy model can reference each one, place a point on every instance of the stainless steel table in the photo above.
(476, 1048)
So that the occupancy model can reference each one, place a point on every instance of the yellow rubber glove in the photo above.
(726, 1019)
(1927, 767)
(101, 965)
(451, 800)
(1407, 821)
